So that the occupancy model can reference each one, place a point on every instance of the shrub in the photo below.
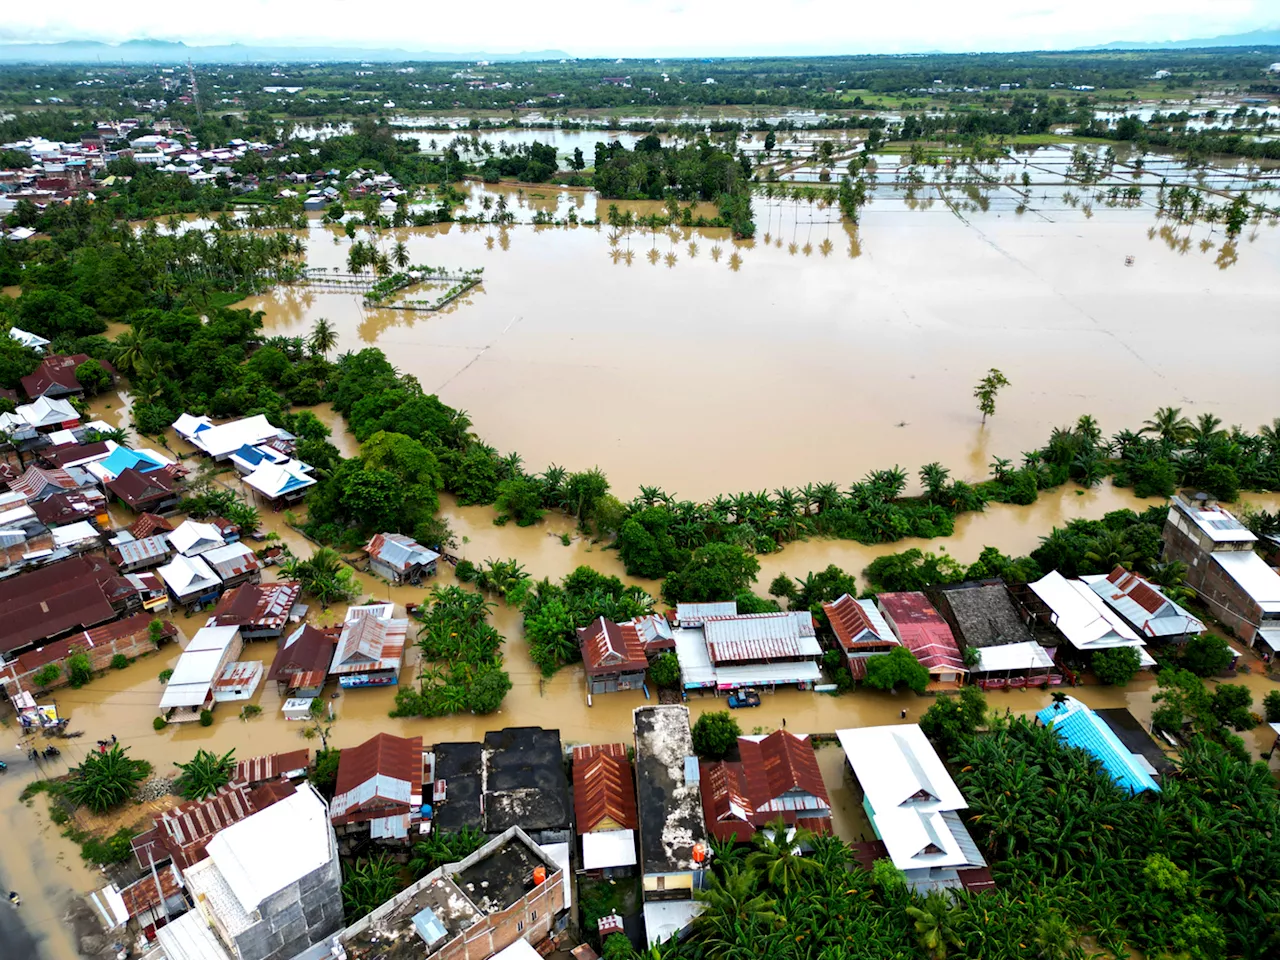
(155, 631)
(46, 675)
(1117, 665)
(714, 734)
(79, 669)
(204, 773)
(249, 711)
(1206, 655)
(617, 947)
(119, 661)
(1271, 706)
(106, 780)
(886, 670)
(165, 675)
(665, 670)
(159, 723)
(206, 718)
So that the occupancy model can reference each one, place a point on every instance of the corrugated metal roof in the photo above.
(140, 551)
(274, 765)
(1078, 726)
(368, 644)
(399, 552)
(603, 787)
(1143, 604)
(233, 560)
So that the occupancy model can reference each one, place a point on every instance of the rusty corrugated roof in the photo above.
(271, 767)
(603, 787)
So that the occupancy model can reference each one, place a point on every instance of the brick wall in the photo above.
(1224, 597)
(498, 931)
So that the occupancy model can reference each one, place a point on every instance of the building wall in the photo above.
(100, 657)
(668, 886)
(1225, 598)
(298, 916)
(616, 682)
(383, 570)
(529, 918)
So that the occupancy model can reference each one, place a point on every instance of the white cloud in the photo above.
(648, 27)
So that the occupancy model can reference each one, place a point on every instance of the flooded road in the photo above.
(819, 351)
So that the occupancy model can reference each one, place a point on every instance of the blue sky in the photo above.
(649, 27)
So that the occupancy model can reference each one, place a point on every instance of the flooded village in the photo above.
(328, 660)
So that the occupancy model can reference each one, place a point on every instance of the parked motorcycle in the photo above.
(51, 751)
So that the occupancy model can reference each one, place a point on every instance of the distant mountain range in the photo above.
(170, 52)
(1254, 38)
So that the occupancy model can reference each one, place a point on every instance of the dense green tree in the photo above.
(1116, 665)
(713, 573)
(106, 780)
(715, 733)
(1206, 654)
(886, 670)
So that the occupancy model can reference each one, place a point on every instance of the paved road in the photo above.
(15, 939)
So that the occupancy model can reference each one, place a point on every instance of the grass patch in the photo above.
(599, 898)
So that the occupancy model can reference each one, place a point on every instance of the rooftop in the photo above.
(611, 647)
(525, 783)
(1078, 726)
(1142, 604)
(669, 805)
(260, 605)
(983, 613)
(1081, 616)
(604, 788)
(857, 623)
(1219, 525)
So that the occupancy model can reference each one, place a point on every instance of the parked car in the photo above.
(744, 698)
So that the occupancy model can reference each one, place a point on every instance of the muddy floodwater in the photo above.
(819, 351)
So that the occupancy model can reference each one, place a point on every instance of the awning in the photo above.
(1271, 637)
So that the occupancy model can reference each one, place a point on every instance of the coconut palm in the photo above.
(400, 254)
(1169, 425)
(732, 906)
(778, 855)
(935, 925)
(323, 338)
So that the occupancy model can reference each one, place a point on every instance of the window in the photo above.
(519, 926)
(534, 916)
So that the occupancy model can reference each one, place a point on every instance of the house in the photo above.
(73, 507)
(38, 483)
(48, 413)
(275, 766)
(281, 484)
(142, 901)
(189, 581)
(73, 594)
(1014, 665)
(238, 681)
(378, 794)
(1082, 619)
(270, 888)
(672, 831)
(515, 777)
(233, 564)
(181, 834)
(192, 538)
(29, 340)
(55, 377)
(604, 804)
(151, 492)
(148, 524)
(400, 559)
(921, 629)
(370, 648)
(221, 441)
(860, 631)
(1144, 606)
(122, 458)
(508, 891)
(1078, 726)
(131, 555)
(1233, 581)
(247, 459)
(720, 649)
(914, 807)
(981, 613)
(302, 662)
(613, 656)
(190, 688)
(75, 538)
(131, 637)
(260, 610)
(775, 778)
(76, 454)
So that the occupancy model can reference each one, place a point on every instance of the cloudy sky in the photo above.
(647, 27)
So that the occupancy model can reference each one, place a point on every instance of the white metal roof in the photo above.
(265, 852)
(1169, 620)
(229, 437)
(764, 674)
(608, 848)
(559, 852)
(193, 537)
(197, 667)
(211, 638)
(1258, 580)
(47, 411)
(1086, 622)
(663, 919)
(895, 763)
(187, 575)
(73, 533)
(1028, 655)
(519, 950)
(277, 479)
(190, 938)
(917, 840)
(186, 425)
(1218, 524)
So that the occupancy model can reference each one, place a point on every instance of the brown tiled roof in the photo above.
(397, 758)
(256, 605)
(603, 788)
(611, 647)
(138, 489)
(149, 524)
(271, 767)
(57, 371)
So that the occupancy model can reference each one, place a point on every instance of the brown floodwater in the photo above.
(819, 351)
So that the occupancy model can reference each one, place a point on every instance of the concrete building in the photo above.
(506, 891)
(1236, 584)
(270, 888)
(672, 831)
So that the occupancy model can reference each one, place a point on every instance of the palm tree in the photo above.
(1169, 425)
(777, 855)
(1109, 550)
(323, 338)
(400, 254)
(934, 923)
(732, 905)
(934, 477)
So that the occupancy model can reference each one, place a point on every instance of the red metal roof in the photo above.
(777, 776)
(257, 770)
(395, 758)
(922, 630)
(143, 895)
(57, 371)
(35, 480)
(185, 831)
(611, 647)
(149, 524)
(603, 787)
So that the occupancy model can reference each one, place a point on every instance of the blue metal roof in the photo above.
(250, 454)
(1078, 726)
(122, 458)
